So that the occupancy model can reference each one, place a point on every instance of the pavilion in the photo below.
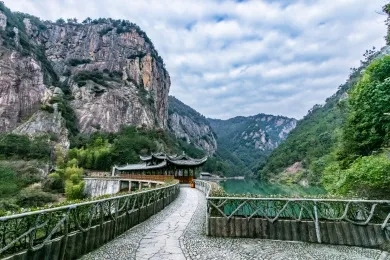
(160, 165)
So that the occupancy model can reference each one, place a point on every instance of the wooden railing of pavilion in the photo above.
(147, 177)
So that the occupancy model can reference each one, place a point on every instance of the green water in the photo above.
(257, 187)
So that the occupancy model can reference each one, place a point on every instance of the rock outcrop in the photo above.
(260, 132)
(108, 70)
(22, 90)
(252, 138)
(134, 86)
(187, 124)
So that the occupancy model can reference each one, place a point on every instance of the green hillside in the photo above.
(251, 139)
(343, 144)
(319, 132)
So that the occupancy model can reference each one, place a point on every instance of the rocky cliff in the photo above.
(95, 75)
(187, 124)
(252, 138)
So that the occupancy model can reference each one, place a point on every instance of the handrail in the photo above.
(32, 230)
(358, 211)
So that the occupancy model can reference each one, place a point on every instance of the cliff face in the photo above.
(21, 88)
(184, 122)
(134, 86)
(107, 71)
(260, 132)
(252, 138)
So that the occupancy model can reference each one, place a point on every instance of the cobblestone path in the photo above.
(177, 232)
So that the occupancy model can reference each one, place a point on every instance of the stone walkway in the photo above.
(177, 233)
(162, 242)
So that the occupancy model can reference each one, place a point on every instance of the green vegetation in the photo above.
(343, 144)
(8, 184)
(367, 177)
(75, 62)
(100, 151)
(362, 164)
(13, 146)
(223, 162)
(98, 77)
(367, 127)
(240, 137)
(20, 185)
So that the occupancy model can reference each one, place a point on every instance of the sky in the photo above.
(231, 58)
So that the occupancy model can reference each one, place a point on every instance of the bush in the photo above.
(367, 176)
(9, 183)
(75, 62)
(47, 108)
(21, 147)
(67, 73)
(105, 31)
(53, 183)
(74, 191)
(95, 76)
(34, 197)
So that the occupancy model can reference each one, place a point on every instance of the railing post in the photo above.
(65, 238)
(317, 224)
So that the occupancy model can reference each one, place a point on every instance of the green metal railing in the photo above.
(358, 212)
(32, 230)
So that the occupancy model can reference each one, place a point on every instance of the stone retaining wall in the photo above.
(337, 233)
(79, 243)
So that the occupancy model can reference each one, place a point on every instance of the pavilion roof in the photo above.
(163, 156)
(189, 162)
(182, 160)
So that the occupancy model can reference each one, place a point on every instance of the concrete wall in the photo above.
(337, 233)
(98, 187)
(105, 186)
(79, 243)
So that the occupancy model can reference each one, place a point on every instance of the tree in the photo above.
(60, 21)
(9, 182)
(88, 20)
(368, 176)
(74, 184)
(367, 127)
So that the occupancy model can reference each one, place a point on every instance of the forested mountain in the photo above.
(192, 127)
(252, 138)
(343, 144)
(319, 132)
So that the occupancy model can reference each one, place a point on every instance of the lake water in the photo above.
(254, 186)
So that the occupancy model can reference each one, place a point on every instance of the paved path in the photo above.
(162, 242)
(177, 233)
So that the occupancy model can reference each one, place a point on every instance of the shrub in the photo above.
(74, 191)
(95, 76)
(67, 73)
(367, 176)
(53, 182)
(34, 197)
(47, 108)
(75, 62)
(9, 183)
(105, 31)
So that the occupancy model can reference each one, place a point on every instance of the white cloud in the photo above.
(227, 58)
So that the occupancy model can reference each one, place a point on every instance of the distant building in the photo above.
(205, 175)
(182, 167)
